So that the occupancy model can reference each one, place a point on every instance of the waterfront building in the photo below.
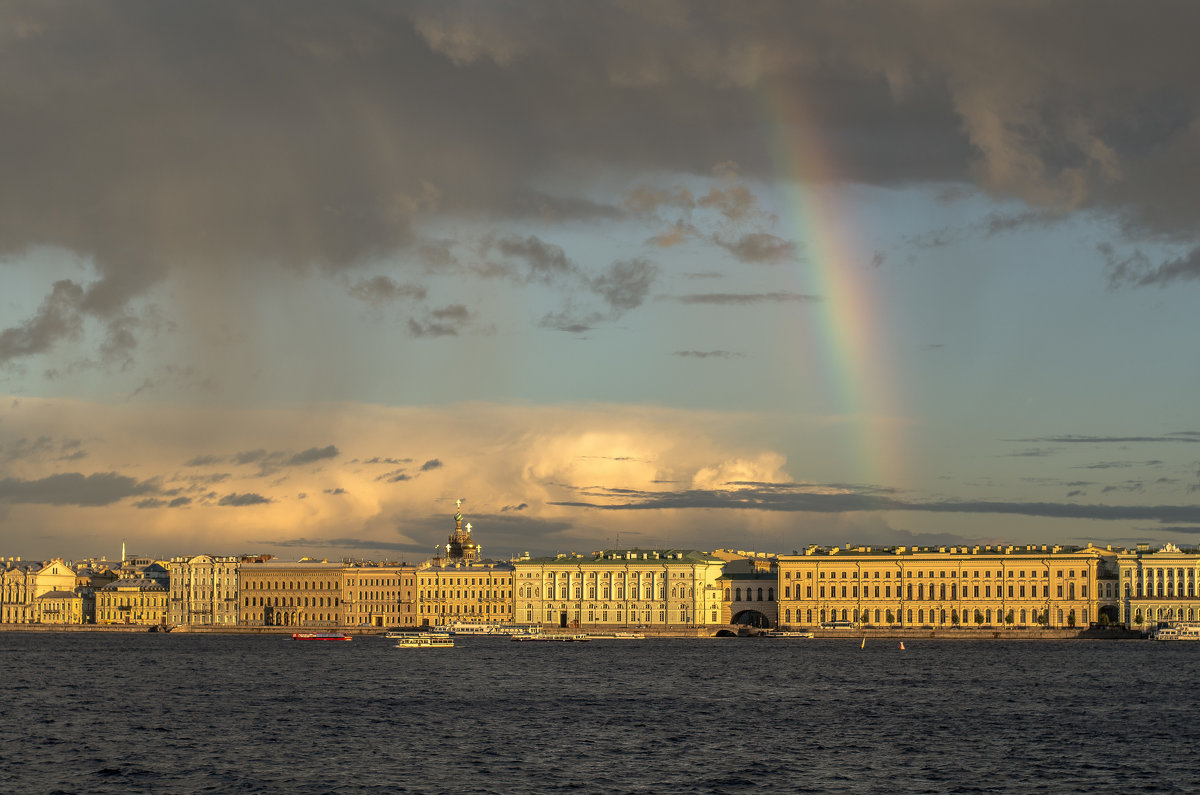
(16, 591)
(134, 599)
(458, 584)
(295, 593)
(902, 587)
(1159, 585)
(54, 576)
(617, 588)
(479, 592)
(204, 590)
(748, 584)
(59, 607)
(379, 595)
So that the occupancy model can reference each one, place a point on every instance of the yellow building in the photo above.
(748, 584)
(617, 588)
(992, 587)
(132, 600)
(59, 607)
(204, 591)
(16, 591)
(289, 593)
(1158, 586)
(379, 595)
(459, 585)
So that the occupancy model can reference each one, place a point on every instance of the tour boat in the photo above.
(1176, 632)
(320, 636)
(546, 637)
(426, 640)
(787, 633)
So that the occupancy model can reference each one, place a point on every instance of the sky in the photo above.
(292, 277)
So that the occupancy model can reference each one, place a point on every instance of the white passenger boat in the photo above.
(787, 633)
(425, 640)
(1176, 631)
(551, 637)
(463, 628)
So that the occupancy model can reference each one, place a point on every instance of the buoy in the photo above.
(901, 645)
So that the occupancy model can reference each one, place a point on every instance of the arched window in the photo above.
(770, 594)
(739, 594)
(1022, 616)
(726, 594)
(760, 594)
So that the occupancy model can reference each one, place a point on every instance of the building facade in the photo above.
(133, 600)
(297, 593)
(16, 591)
(379, 595)
(992, 587)
(1159, 585)
(620, 589)
(204, 591)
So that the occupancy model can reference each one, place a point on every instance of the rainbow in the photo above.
(847, 345)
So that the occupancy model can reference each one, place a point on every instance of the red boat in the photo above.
(320, 636)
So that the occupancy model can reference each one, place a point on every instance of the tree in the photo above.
(1008, 618)
(1104, 620)
(1137, 618)
(1071, 619)
(979, 618)
(954, 617)
(891, 617)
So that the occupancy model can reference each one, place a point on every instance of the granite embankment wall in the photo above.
(874, 634)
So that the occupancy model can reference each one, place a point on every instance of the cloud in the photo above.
(1136, 270)
(759, 247)
(313, 454)
(383, 289)
(155, 502)
(58, 318)
(74, 488)
(1178, 436)
(793, 497)
(431, 465)
(235, 500)
(709, 354)
(626, 283)
(745, 299)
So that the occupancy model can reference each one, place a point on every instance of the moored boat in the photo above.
(1175, 631)
(320, 636)
(787, 633)
(549, 637)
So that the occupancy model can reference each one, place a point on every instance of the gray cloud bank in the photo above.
(801, 498)
(309, 136)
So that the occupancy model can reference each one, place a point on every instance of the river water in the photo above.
(124, 713)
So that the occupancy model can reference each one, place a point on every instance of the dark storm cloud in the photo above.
(431, 465)
(146, 137)
(235, 500)
(802, 498)
(74, 488)
(745, 299)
